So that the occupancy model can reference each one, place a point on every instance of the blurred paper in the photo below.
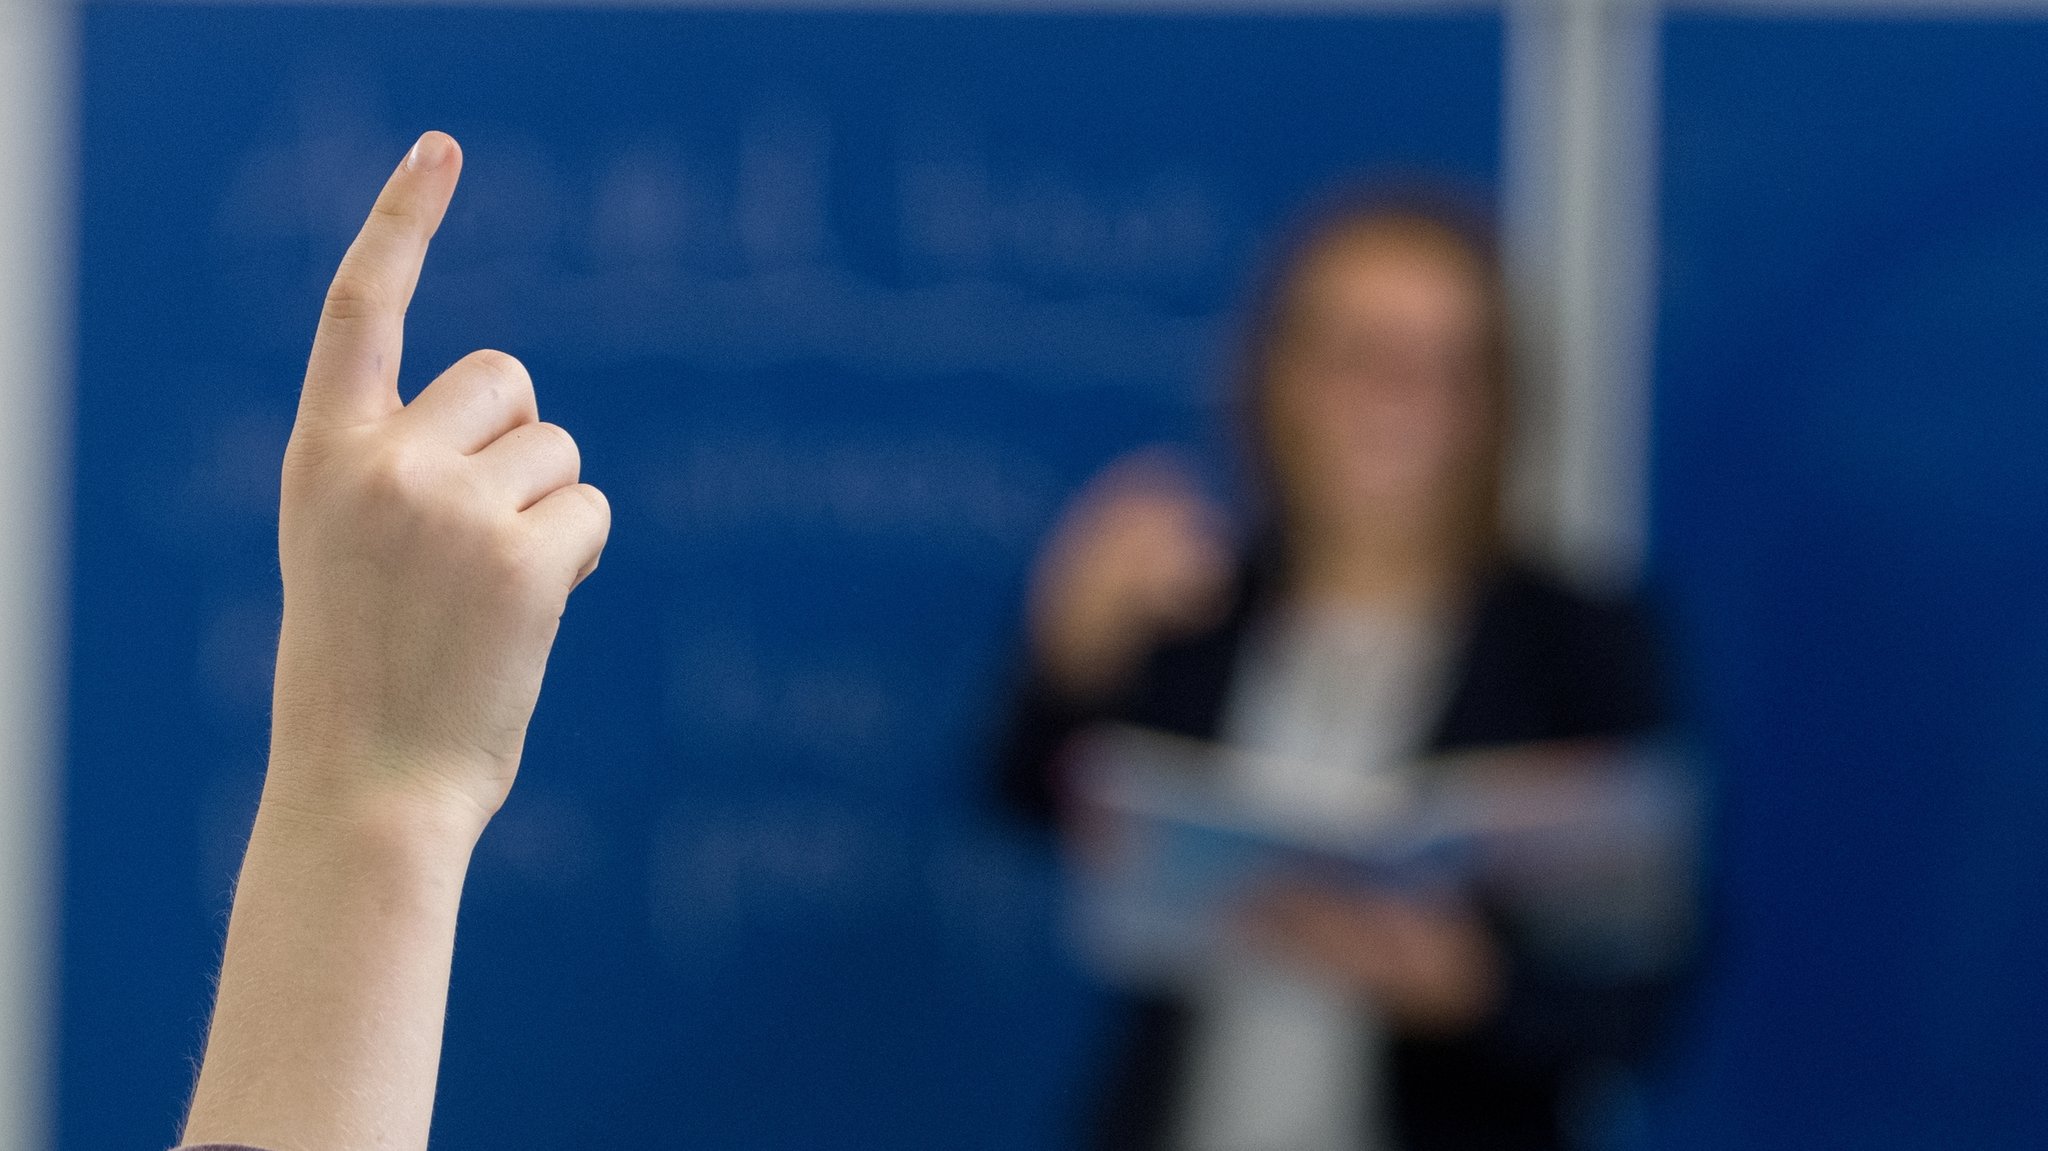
(1587, 858)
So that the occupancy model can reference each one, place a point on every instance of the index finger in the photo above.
(353, 372)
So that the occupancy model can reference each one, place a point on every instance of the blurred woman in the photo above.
(1378, 619)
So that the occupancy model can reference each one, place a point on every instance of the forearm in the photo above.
(326, 1032)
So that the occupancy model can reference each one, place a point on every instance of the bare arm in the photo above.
(428, 551)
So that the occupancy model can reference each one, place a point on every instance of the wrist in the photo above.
(384, 797)
(340, 942)
(1086, 662)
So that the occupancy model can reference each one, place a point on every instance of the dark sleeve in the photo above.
(1606, 681)
(1039, 724)
(1610, 683)
(1553, 1017)
(1180, 686)
(1610, 677)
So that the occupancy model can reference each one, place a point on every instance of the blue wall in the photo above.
(840, 307)
(1852, 515)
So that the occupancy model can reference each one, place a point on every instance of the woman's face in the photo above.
(1379, 399)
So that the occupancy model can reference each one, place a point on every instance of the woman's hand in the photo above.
(1139, 557)
(1429, 965)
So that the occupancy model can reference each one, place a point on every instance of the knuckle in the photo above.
(493, 380)
(595, 501)
(502, 367)
(401, 474)
(354, 296)
(585, 519)
(558, 444)
(392, 211)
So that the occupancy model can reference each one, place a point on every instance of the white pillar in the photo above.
(1579, 197)
(36, 158)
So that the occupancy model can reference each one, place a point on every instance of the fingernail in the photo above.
(428, 153)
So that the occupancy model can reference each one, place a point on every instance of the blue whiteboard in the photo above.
(1851, 491)
(840, 307)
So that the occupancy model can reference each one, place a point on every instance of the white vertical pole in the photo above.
(35, 313)
(1580, 159)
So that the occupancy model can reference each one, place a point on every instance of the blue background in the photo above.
(841, 308)
(1851, 493)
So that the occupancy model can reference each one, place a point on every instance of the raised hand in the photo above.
(427, 548)
(1138, 558)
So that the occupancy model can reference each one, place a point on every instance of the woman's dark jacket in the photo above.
(1540, 662)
